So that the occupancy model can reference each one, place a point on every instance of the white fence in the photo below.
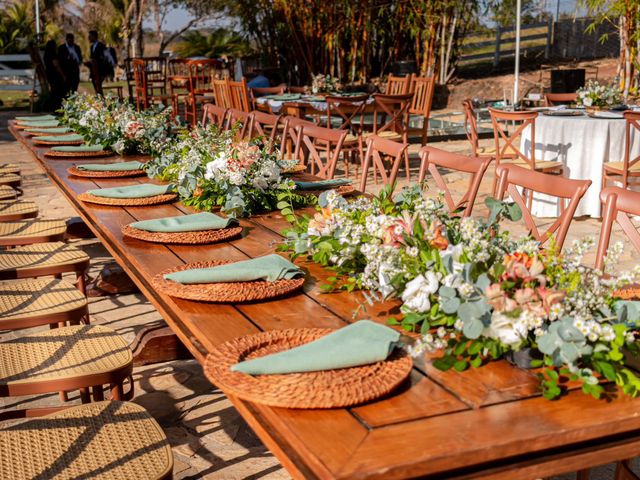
(17, 78)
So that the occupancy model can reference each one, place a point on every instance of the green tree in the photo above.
(503, 12)
(220, 42)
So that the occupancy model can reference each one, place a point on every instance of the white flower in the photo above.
(510, 331)
(417, 291)
(587, 102)
(456, 252)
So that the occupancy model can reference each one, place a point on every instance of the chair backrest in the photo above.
(375, 147)
(397, 85)
(262, 91)
(552, 99)
(345, 110)
(422, 89)
(245, 119)
(310, 138)
(296, 89)
(178, 67)
(200, 74)
(432, 158)
(265, 124)
(214, 114)
(391, 113)
(508, 144)
(222, 92)
(632, 119)
(619, 204)
(240, 95)
(139, 72)
(156, 68)
(289, 140)
(512, 176)
(471, 125)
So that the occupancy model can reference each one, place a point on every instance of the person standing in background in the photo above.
(102, 62)
(55, 76)
(70, 58)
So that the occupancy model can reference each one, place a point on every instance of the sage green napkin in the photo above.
(361, 343)
(284, 96)
(142, 190)
(270, 268)
(35, 118)
(72, 137)
(186, 223)
(41, 124)
(322, 184)
(112, 167)
(49, 130)
(78, 148)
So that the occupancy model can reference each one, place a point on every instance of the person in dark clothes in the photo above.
(55, 75)
(70, 58)
(102, 62)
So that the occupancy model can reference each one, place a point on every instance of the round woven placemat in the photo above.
(188, 238)
(55, 153)
(630, 292)
(40, 134)
(128, 202)
(22, 126)
(295, 169)
(231, 292)
(60, 143)
(325, 389)
(112, 174)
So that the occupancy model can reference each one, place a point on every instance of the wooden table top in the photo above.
(488, 422)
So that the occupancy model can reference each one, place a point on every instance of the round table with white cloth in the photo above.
(583, 144)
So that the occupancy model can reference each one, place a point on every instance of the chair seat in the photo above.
(9, 168)
(540, 164)
(42, 259)
(106, 440)
(388, 134)
(17, 210)
(618, 167)
(491, 150)
(62, 353)
(25, 232)
(27, 303)
(7, 192)
(10, 179)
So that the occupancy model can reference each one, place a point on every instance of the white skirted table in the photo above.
(583, 144)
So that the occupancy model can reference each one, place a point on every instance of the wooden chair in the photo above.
(628, 171)
(241, 120)
(144, 90)
(7, 192)
(214, 114)
(432, 158)
(347, 113)
(313, 140)
(200, 90)
(513, 176)
(289, 139)
(222, 92)
(397, 85)
(240, 95)
(553, 99)
(10, 180)
(29, 231)
(618, 205)
(156, 73)
(507, 144)
(178, 81)
(265, 125)
(12, 210)
(420, 109)
(103, 439)
(375, 147)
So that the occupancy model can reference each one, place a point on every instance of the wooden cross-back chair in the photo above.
(222, 92)
(347, 113)
(376, 147)
(201, 72)
(312, 141)
(237, 117)
(214, 114)
(240, 95)
(432, 158)
(289, 139)
(397, 85)
(512, 176)
(420, 108)
(507, 144)
(265, 125)
(619, 205)
(628, 171)
(553, 99)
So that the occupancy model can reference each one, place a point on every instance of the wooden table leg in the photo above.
(157, 344)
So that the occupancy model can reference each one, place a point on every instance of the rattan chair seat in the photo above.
(106, 440)
(62, 353)
(618, 167)
(9, 168)
(10, 179)
(6, 192)
(39, 298)
(23, 232)
(17, 209)
(20, 261)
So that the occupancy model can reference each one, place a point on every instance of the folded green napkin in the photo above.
(72, 137)
(35, 118)
(142, 190)
(78, 148)
(284, 96)
(361, 343)
(322, 184)
(270, 268)
(41, 124)
(112, 167)
(49, 130)
(186, 223)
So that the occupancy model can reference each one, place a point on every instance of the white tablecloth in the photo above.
(582, 144)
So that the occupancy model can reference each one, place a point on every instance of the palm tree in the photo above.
(220, 42)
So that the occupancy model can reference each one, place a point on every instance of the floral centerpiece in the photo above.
(116, 124)
(213, 170)
(474, 293)
(325, 84)
(595, 96)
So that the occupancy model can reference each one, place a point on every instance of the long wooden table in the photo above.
(489, 422)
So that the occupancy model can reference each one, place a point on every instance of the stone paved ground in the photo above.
(209, 438)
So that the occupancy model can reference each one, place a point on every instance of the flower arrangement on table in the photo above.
(325, 84)
(213, 170)
(473, 292)
(595, 95)
(115, 124)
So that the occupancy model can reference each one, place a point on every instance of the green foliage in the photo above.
(220, 42)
